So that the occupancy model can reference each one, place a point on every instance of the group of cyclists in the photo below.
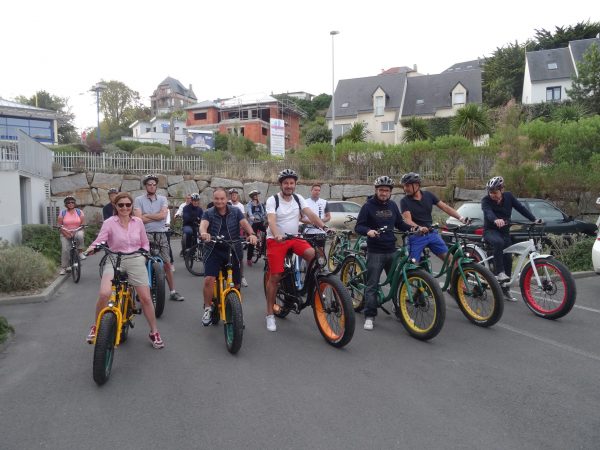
(280, 216)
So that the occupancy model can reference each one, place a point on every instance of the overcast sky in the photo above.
(228, 48)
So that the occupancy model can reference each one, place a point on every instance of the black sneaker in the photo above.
(177, 297)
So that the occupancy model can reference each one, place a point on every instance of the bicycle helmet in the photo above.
(148, 178)
(195, 196)
(233, 191)
(287, 173)
(410, 178)
(494, 184)
(253, 192)
(70, 198)
(384, 181)
(113, 191)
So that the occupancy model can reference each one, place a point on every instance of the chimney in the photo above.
(415, 67)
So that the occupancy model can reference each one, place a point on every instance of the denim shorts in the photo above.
(431, 240)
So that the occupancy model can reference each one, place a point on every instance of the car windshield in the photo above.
(471, 210)
(335, 207)
(545, 211)
(351, 208)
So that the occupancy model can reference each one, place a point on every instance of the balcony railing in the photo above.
(27, 156)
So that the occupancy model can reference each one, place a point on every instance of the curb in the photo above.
(586, 274)
(43, 296)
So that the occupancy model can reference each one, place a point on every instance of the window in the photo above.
(344, 127)
(553, 94)
(552, 66)
(459, 98)
(386, 127)
(420, 101)
(379, 105)
(200, 116)
(264, 131)
(344, 105)
(39, 129)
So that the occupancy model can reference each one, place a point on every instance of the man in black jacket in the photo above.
(497, 208)
(377, 212)
(192, 214)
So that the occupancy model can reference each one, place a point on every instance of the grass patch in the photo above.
(5, 329)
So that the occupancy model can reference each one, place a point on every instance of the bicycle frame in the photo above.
(224, 285)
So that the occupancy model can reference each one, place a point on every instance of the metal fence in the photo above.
(433, 170)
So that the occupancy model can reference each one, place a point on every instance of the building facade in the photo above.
(171, 95)
(38, 123)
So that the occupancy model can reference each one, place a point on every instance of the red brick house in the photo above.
(248, 116)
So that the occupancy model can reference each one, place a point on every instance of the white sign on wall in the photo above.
(277, 137)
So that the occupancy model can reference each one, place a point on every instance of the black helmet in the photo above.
(494, 184)
(195, 196)
(69, 198)
(410, 178)
(148, 178)
(287, 173)
(384, 181)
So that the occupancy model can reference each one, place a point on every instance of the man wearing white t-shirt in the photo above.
(320, 207)
(283, 216)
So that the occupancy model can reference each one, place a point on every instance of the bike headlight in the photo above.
(413, 260)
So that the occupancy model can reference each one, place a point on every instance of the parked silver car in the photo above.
(340, 210)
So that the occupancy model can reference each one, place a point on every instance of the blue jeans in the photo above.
(189, 236)
(376, 263)
(432, 240)
(499, 241)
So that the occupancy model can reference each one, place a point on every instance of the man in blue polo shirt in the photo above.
(416, 208)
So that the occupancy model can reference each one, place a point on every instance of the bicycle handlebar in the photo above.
(104, 246)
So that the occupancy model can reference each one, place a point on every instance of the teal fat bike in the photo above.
(418, 301)
(341, 245)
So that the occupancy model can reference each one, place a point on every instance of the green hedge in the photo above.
(5, 329)
(24, 269)
(46, 240)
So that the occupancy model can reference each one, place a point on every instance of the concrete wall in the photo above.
(10, 205)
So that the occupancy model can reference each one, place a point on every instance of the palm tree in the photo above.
(470, 121)
(416, 129)
(358, 133)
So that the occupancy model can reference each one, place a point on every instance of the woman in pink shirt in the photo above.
(126, 233)
(69, 220)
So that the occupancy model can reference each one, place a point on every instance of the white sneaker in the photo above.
(369, 323)
(501, 277)
(82, 256)
(271, 325)
(62, 272)
(245, 284)
(207, 316)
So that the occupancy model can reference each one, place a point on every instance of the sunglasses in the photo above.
(124, 205)
(70, 203)
(150, 184)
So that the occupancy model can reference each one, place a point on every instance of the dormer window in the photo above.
(420, 101)
(345, 105)
(458, 98)
(552, 66)
(379, 105)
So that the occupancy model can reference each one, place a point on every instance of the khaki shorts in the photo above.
(162, 242)
(134, 267)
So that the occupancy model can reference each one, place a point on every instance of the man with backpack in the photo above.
(284, 211)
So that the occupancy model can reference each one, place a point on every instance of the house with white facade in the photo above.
(382, 101)
(549, 73)
(157, 131)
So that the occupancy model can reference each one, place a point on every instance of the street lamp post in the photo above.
(97, 89)
(333, 33)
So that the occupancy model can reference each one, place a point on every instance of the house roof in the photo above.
(357, 94)
(578, 48)
(19, 109)
(540, 61)
(465, 65)
(177, 87)
(203, 105)
(435, 91)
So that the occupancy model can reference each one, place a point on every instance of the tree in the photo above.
(316, 132)
(545, 39)
(115, 100)
(502, 76)
(471, 122)
(357, 133)
(586, 85)
(416, 129)
(67, 134)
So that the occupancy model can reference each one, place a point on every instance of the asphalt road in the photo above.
(525, 383)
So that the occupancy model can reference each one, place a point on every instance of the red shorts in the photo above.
(276, 252)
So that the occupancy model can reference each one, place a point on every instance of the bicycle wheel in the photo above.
(478, 294)
(75, 265)
(194, 260)
(102, 264)
(258, 248)
(556, 296)
(104, 348)
(352, 274)
(332, 308)
(157, 289)
(333, 261)
(234, 322)
(423, 312)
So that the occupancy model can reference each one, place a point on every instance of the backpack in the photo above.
(64, 212)
(276, 196)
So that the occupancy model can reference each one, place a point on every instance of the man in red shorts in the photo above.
(284, 211)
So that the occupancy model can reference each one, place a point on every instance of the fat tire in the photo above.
(234, 322)
(104, 348)
(497, 297)
(258, 249)
(348, 274)
(75, 265)
(194, 260)
(334, 248)
(342, 309)
(440, 307)
(157, 289)
(570, 295)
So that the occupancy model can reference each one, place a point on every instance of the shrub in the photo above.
(71, 148)
(575, 251)
(43, 239)
(5, 329)
(152, 150)
(128, 146)
(24, 269)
